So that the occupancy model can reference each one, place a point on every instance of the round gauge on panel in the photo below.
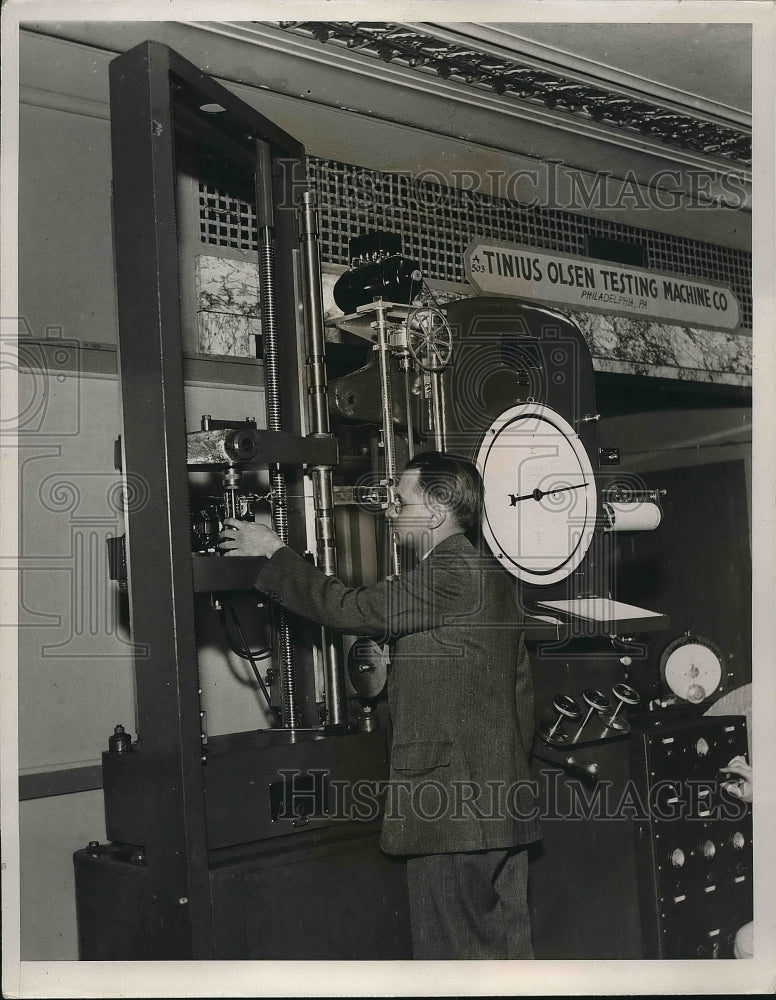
(540, 493)
(691, 668)
(367, 667)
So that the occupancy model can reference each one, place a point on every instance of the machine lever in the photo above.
(585, 770)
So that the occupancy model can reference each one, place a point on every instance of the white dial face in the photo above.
(693, 671)
(540, 493)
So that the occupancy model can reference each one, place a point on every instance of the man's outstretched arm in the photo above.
(417, 602)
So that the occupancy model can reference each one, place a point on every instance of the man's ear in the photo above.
(439, 513)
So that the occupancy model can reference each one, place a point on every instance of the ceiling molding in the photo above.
(432, 55)
(499, 39)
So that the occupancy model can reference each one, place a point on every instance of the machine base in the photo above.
(329, 894)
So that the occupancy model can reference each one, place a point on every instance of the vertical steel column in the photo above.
(334, 680)
(405, 363)
(265, 221)
(386, 402)
(158, 545)
(438, 409)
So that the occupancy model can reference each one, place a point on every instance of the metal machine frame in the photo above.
(189, 827)
(154, 448)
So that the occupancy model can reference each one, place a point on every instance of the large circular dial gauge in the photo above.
(540, 493)
(691, 667)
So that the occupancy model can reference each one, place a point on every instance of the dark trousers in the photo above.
(470, 905)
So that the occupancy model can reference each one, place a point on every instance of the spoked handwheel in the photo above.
(429, 339)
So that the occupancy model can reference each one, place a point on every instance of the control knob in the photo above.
(596, 702)
(625, 695)
(566, 708)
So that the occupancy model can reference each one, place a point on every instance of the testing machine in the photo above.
(238, 845)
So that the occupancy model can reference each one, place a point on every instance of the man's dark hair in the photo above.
(452, 482)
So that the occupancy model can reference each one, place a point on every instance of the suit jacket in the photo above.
(459, 692)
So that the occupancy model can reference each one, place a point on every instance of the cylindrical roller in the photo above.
(632, 516)
(323, 498)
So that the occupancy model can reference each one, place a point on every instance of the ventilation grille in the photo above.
(227, 202)
(436, 223)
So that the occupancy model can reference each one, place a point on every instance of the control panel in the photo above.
(647, 818)
(699, 836)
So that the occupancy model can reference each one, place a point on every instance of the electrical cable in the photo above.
(244, 653)
(247, 654)
(276, 712)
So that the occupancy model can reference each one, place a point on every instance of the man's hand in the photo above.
(743, 788)
(246, 538)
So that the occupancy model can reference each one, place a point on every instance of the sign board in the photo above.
(494, 267)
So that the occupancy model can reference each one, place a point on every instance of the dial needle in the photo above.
(538, 494)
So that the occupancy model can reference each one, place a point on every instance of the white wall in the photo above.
(75, 670)
(50, 830)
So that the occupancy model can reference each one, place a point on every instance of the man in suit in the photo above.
(459, 802)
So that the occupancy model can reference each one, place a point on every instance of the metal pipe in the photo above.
(313, 289)
(385, 399)
(265, 219)
(408, 399)
(438, 410)
(386, 402)
(323, 495)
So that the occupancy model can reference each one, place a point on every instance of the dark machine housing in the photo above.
(232, 846)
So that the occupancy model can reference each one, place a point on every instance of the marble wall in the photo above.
(636, 347)
(228, 312)
(229, 321)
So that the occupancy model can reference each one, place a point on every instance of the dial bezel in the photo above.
(552, 427)
(667, 670)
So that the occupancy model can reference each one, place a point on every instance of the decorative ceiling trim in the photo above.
(523, 80)
(502, 40)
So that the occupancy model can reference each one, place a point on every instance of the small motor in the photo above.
(377, 270)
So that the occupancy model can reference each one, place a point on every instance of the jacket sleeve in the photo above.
(524, 698)
(435, 592)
